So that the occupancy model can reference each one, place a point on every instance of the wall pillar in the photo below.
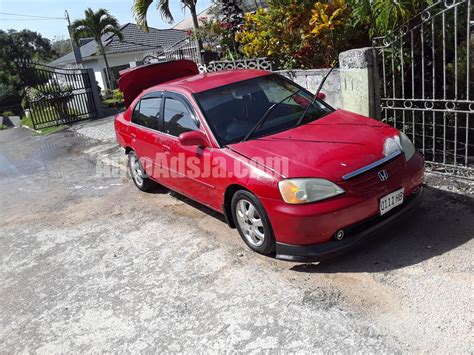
(95, 93)
(359, 83)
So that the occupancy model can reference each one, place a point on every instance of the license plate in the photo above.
(391, 201)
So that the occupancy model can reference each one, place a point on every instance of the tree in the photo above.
(232, 15)
(383, 16)
(61, 46)
(26, 45)
(96, 24)
(140, 9)
(296, 34)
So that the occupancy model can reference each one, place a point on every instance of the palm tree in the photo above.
(140, 8)
(97, 24)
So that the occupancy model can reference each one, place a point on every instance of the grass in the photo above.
(2, 127)
(27, 121)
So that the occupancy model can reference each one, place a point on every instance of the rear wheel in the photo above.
(139, 177)
(252, 222)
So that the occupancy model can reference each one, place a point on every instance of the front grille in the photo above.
(370, 182)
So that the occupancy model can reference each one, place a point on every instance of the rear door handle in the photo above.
(133, 135)
(166, 148)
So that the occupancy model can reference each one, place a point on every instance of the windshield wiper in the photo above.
(265, 115)
(315, 96)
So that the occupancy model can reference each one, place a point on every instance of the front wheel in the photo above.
(252, 222)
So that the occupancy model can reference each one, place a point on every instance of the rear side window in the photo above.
(178, 118)
(136, 113)
(149, 112)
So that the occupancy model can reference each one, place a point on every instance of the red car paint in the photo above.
(134, 80)
(328, 148)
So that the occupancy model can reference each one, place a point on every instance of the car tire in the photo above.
(252, 222)
(137, 173)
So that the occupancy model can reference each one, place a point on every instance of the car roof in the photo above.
(207, 81)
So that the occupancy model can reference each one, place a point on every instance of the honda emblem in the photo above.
(383, 175)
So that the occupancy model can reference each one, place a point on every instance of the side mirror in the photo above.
(322, 96)
(194, 138)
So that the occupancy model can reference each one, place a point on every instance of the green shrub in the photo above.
(114, 100)
(117, 95)
(113, 103)
(7, 114)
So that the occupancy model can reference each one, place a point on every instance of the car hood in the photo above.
(330, 147)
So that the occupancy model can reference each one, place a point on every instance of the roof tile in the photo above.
(134, 39)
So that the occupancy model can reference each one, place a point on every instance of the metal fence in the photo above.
(426, 85)
(183, 49)
(187, 49)
(57, 96)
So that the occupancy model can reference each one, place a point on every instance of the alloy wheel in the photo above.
(250, 222)
(136, 170)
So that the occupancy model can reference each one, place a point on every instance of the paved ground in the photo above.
(89, 263)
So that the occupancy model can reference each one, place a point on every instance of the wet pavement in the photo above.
(89, 263)
(32, 167)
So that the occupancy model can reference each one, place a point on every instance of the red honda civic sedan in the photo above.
(295, 176)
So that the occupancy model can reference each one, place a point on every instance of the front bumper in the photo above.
(354, 235)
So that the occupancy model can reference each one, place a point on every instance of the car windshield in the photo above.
(233, 110)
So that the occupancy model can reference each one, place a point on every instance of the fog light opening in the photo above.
(339, 235)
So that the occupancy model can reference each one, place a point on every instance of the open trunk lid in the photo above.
(134, 80)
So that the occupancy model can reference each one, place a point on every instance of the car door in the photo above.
(189, 166)
(148, 137)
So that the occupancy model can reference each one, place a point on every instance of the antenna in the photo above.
(316, 94)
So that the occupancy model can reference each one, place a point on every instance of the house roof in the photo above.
(134, 39)
(187, 23)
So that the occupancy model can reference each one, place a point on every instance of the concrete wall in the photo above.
(359, 85)
(310, 79)
(352, 86)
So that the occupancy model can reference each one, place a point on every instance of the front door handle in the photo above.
(166, 148)
(133, 135)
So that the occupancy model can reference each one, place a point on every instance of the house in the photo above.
(135, 46)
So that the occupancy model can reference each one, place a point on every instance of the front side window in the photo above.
(177, 117)
(150, 112)
(233, 110)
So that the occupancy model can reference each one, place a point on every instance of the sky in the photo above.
(57, 28)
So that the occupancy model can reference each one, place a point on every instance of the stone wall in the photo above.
(310, 80)
(359, 84)
(352, 86)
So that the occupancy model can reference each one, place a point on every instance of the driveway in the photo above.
(91, 264)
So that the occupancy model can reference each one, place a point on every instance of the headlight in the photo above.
(407, 146)
(306, 190)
